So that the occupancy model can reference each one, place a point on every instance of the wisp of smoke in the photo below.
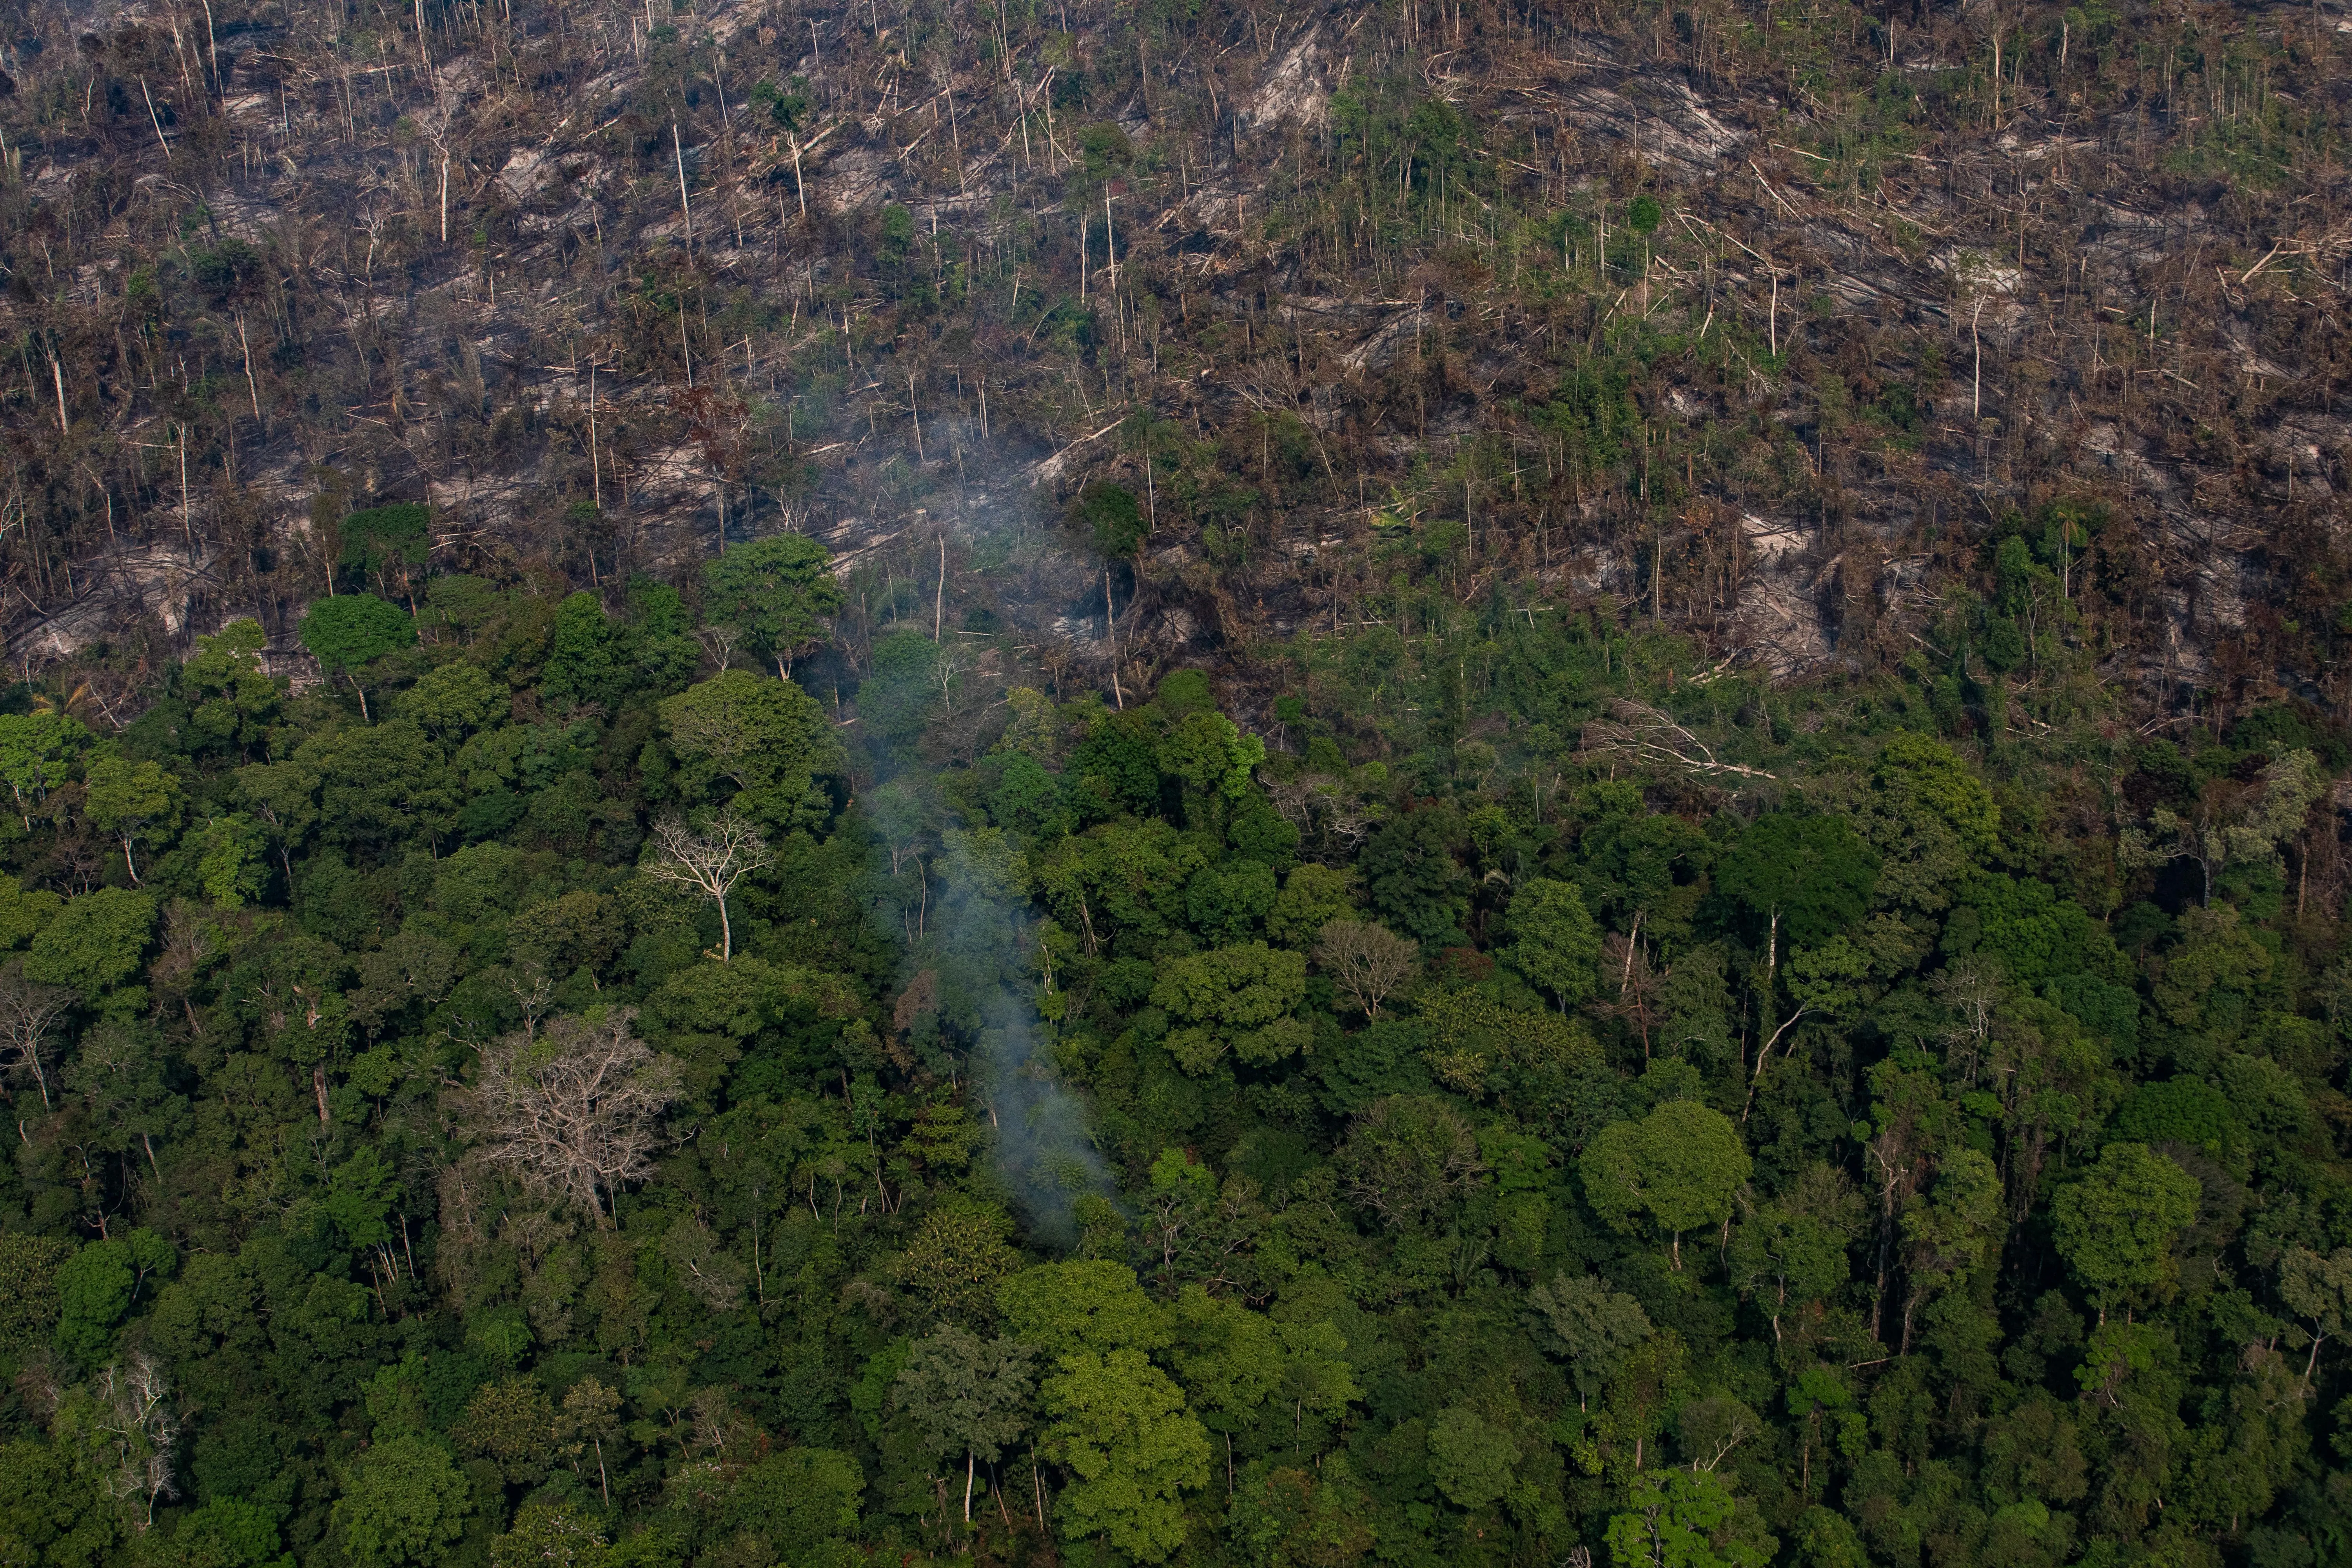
(973, 923)
(1044, 1149)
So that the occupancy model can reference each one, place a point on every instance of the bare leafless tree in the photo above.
(718, 638)
(139, 1416)
(574, 1111)
(29, 1025)
(1971, 988)
(1365, 960)
(1312, 801)
(710, 860)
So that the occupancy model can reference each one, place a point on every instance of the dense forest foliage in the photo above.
(539, 1095)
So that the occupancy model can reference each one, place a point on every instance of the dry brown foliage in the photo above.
(1365, 960)
(573, 1112)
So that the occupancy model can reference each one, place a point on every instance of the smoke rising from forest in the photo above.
(978, 934)
(1040, 1135)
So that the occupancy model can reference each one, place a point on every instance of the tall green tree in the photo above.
(94, 944)
(131, 801)
(1687, 1519)
(1120, 1427)
(1228, 1359)
(1554, 940)
(387, 545)
(38, 752)
(1792, 1253)
(1590, 1327)
(582, 661)
(767, 738)
(2116, 1223)
(52, 1511)
(2318, 1289)
(798, 1505)
(1470, 1457)
(348, 632)
(1238, 999)
(1416, 885)
(548, 1535)
(777, 594)
(1680, 1165)
(99, 1284)
(1952, 1232)
(1092, 1304)
(1113, 519)
(232, 700)
(967, 1394)
(1802, 878)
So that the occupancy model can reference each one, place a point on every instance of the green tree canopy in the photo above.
(131, 801)
(796, 1502)
(1208, 755)
(1554, 940)
(1119, 1426)
(1303, 1517)
(1470, 1457)
(227, 1533)
(2318, 1289)
(2116, 1223)
(767, 738)
(94, 944)
(1237, 999)
(1792, 1253)
(777, 593)
(454, 701)
(1825, 1540)
(53, 1509)
(1112, 518)
(232, 702)
(1808, 877)
(24, 912)
(548, 1535)
(97, 1286)
(1952, 1229)
(1680, 1165)
(38, 752)
(386, 542)
(1688, 1519)
(581, 660)
(1312, 897)
(966, 1395)
(378, 786)
(403, 1502)
(28, 1289)
(1228, 1359)
(1590, 1327)
(1416, 885)
(1090, 1304)
(353, 630)
(511, 1423)
(901, 688)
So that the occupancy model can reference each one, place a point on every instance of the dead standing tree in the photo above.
(575, 1113)
(140, 1420)
(1366, 961)
(710, 861)
(29, 1015)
